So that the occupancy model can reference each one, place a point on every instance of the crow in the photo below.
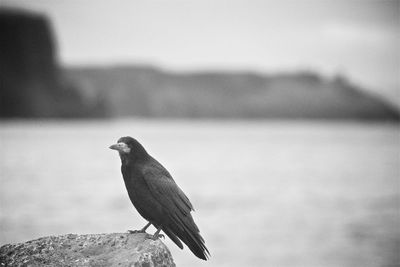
(157, 198)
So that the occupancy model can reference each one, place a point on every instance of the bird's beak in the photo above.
(121, 147)
(115, 147)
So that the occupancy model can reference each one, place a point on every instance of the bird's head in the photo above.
(129, 147)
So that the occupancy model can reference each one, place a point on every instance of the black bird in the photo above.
(157, 197)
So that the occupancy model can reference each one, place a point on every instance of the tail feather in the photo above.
(173, 237)
(187, 231)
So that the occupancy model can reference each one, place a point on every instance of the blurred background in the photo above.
(279, 119)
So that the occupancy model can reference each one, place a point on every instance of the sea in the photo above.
(265, 193)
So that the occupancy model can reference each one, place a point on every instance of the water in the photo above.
(265, 193)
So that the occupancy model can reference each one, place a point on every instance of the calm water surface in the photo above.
(265, 193)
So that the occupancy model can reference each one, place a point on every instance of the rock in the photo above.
(117, 249)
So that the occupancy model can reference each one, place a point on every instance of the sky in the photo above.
(356, 38)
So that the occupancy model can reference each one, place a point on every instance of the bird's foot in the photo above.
(136, 231)
(143, 230)
(155, 237)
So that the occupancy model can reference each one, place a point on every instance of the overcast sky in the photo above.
(358, 38)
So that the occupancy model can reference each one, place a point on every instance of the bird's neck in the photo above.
(130, 159)
(124, 160)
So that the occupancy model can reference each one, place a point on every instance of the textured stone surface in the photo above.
(118, 249)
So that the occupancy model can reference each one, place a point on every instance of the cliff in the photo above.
(34, 86)
(118, 249)
(151, 92)
(31, 82)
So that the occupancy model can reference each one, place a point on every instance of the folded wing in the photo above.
(179, 222)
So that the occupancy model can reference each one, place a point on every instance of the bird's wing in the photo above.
(178, 207)
(165, 190)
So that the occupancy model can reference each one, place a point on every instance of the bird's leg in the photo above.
(143, 230)
(145, 227)
(157, 234)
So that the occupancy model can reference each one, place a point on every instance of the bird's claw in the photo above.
(155, 237)
(136, 231)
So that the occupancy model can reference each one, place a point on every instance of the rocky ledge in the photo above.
(117, 249)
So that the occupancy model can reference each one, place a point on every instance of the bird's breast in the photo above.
(140, 195)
